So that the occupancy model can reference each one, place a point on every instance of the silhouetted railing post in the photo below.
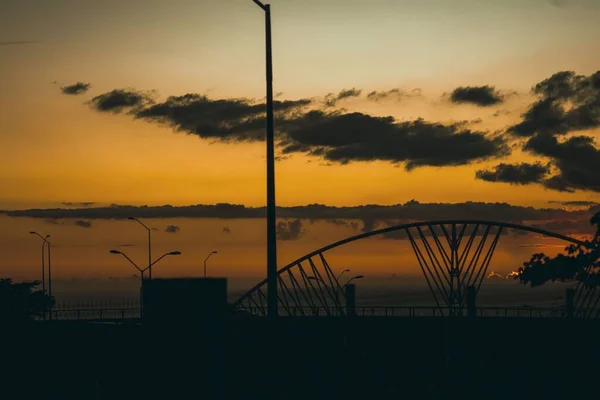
(471, 305)
(351, 300)
(569, 293)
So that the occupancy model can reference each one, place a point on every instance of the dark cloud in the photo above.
(393, 94)
(359, 217)
(576, 158)
(289, 230)
(76, 88)
(78, 204)
(345, 93)
(18, 42)
(516, 174)
(172, 229)
(226, 229)
(575, 203)
(83, 224)
(126, 245)
(544, 116)
(396, 94)
(332, 99)
(334, 136)
(482, 96)
(234, 120)
(567, 103)
(119, 100)
(343, 138)
(410, 211)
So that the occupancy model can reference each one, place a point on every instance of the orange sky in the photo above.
(54, 148)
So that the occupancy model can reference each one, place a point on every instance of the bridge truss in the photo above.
(453, 256)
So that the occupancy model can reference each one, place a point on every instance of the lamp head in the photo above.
(346, 270)
(359, 276)
(215, 252)
(33, 233)
(174, 253)
(131, 218)
(115, 252)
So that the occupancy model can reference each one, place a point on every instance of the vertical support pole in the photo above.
(453, 275)
(43, 268)
(142, 296)
(351, 300)
(471, 305)
(50, 278)
(271, 217)
(569, 306)
(149, 255)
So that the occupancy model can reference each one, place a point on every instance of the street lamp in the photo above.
(211, 253)
(171, 253)
(271, 219)
(44, 241)
(340, 275)
(353, 278)
(149, 245)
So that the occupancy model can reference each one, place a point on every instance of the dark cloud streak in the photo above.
(482, 96)
(83, 224)
(516, 174)
(343, 138)
(76, 88)
(119, 100)
(172, 229)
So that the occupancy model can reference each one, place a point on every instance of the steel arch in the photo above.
(328, 296)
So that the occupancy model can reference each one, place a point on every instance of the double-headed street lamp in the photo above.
(142, 270)
(45, 241)
(149, 245)
(340, 275)
(271, 218)
(205, 260)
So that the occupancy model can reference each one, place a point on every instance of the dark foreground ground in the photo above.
(305, 358)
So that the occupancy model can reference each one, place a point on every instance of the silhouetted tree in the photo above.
(580, 263)
(21, 302)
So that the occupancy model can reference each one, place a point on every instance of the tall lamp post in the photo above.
(142, 270)
(206, 259)
(44, 241)
(271, 227)
(149, 245)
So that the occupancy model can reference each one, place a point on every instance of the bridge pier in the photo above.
(351, 300)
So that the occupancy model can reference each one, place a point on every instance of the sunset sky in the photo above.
(380, 102)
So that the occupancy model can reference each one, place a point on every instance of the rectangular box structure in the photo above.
(184, 300)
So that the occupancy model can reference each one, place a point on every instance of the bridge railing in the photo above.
(417, 311)
(99, 314)
(117, 314)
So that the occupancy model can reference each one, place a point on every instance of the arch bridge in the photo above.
(453, 255)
